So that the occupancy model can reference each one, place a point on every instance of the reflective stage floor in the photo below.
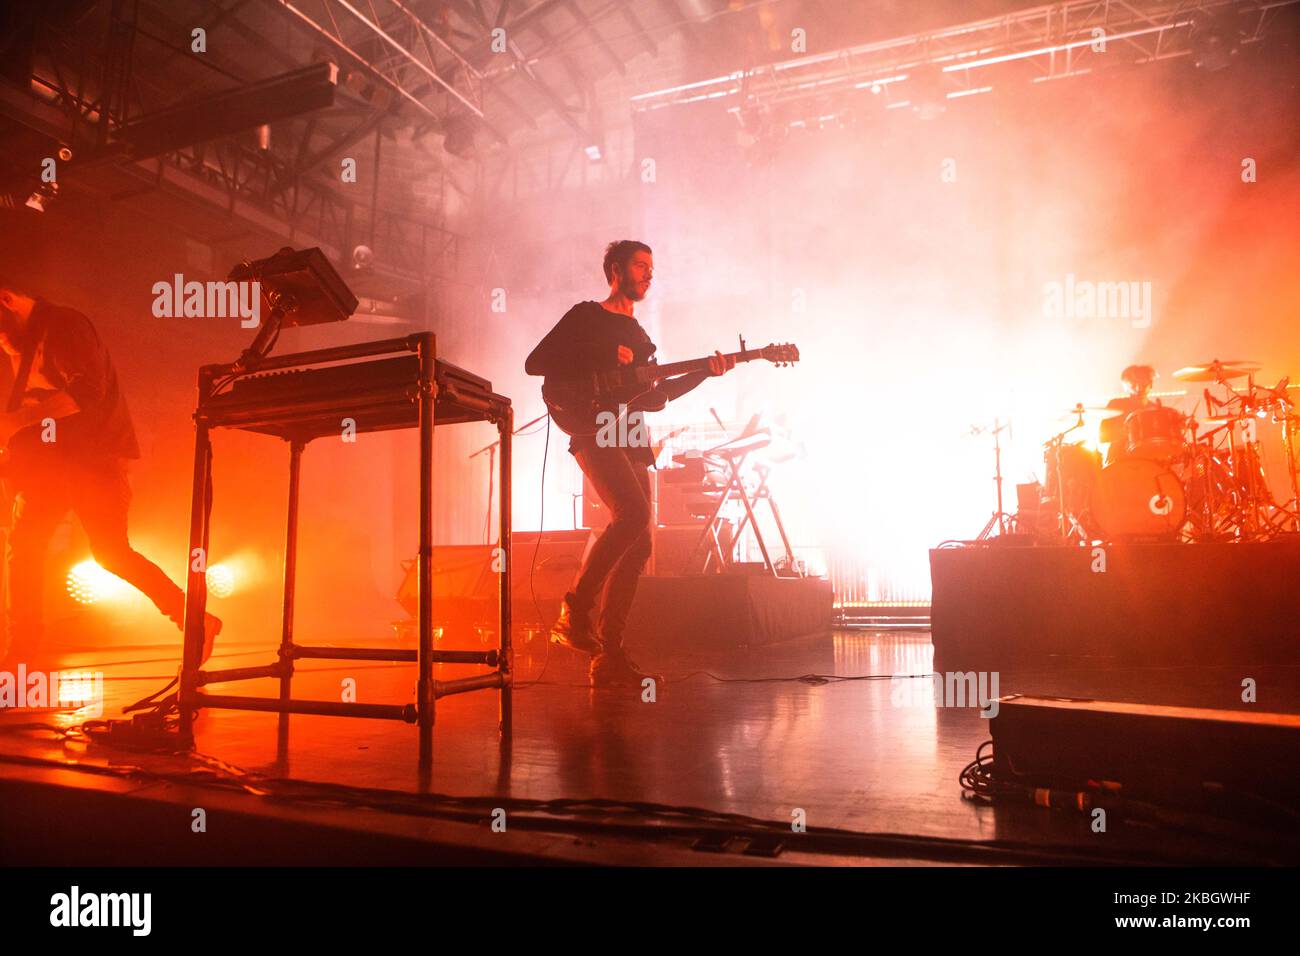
(830, 731)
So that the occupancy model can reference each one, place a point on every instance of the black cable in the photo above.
(815, 679)
(591, 815)
(532, 571)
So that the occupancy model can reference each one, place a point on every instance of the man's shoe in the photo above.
(615, 669)
(573, 629)
(211, 628)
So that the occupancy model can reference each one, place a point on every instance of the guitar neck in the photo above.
(699, 364)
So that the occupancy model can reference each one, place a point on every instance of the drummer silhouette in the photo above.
(1119, 433)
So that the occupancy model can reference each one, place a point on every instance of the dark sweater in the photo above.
(72, 358)
(587, 340)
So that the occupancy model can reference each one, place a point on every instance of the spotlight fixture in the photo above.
(1214, 41)
(221, 581)
(363, 258)
(926, 93)
(459, 137)
(88, 583)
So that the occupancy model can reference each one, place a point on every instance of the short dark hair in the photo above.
(1139, 375)
(620, 252)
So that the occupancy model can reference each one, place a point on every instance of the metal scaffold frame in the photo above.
(299, 428)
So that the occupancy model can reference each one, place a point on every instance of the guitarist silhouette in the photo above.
(597, 338)
(67, 436)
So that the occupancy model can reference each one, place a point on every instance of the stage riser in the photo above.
(725, 611)
(999, 606)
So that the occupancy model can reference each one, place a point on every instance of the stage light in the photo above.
(460, 137)
(88, 583)
(221, 581)
(78, 688)
(363, 258)
(1214, 41)
(927, 93)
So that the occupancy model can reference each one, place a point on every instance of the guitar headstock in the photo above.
(784, 354)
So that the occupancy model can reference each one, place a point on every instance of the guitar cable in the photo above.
(537, 547)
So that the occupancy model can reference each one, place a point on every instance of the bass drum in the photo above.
(1071, 473)
(1138, 498)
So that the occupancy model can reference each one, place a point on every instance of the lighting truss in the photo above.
(1052, 41)
(414, 48)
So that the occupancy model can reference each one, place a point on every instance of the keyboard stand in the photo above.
(436, 394)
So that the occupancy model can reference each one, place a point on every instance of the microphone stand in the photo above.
(1000, 518)
(492, 469)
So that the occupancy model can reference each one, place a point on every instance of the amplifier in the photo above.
(1162, 754)
(465, 583)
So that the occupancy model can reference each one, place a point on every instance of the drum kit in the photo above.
(1168, 475)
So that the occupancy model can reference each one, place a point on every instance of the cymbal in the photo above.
(1092, 413)
(1216, 370)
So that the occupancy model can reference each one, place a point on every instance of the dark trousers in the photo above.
(621, 552)
(99, 494)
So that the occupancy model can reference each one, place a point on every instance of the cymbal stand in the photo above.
(1202, 465)
(1069, 524)
(1244, 505)
(1290, 432)
(999, 519)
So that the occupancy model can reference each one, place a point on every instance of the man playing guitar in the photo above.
(67, 436)
(597, 337)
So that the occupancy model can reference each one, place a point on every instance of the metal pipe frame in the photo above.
(259, 188)
(321, 708)
(1051, 39)
(428, 690)
(300, 651)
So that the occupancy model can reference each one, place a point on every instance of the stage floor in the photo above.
(813, 725)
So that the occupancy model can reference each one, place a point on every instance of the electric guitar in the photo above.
(575, 402)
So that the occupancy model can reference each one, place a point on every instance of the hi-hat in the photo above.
(1091, 414)
(1216, 371)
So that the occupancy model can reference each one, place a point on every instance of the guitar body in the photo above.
(576, 404)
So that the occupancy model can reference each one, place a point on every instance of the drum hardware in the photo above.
(1290, 434)
(1216, 371)
(1088, 416)
(1208, 482)
(1174, 474)
(1071, 472)
(1257, 515)
(999, 519)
